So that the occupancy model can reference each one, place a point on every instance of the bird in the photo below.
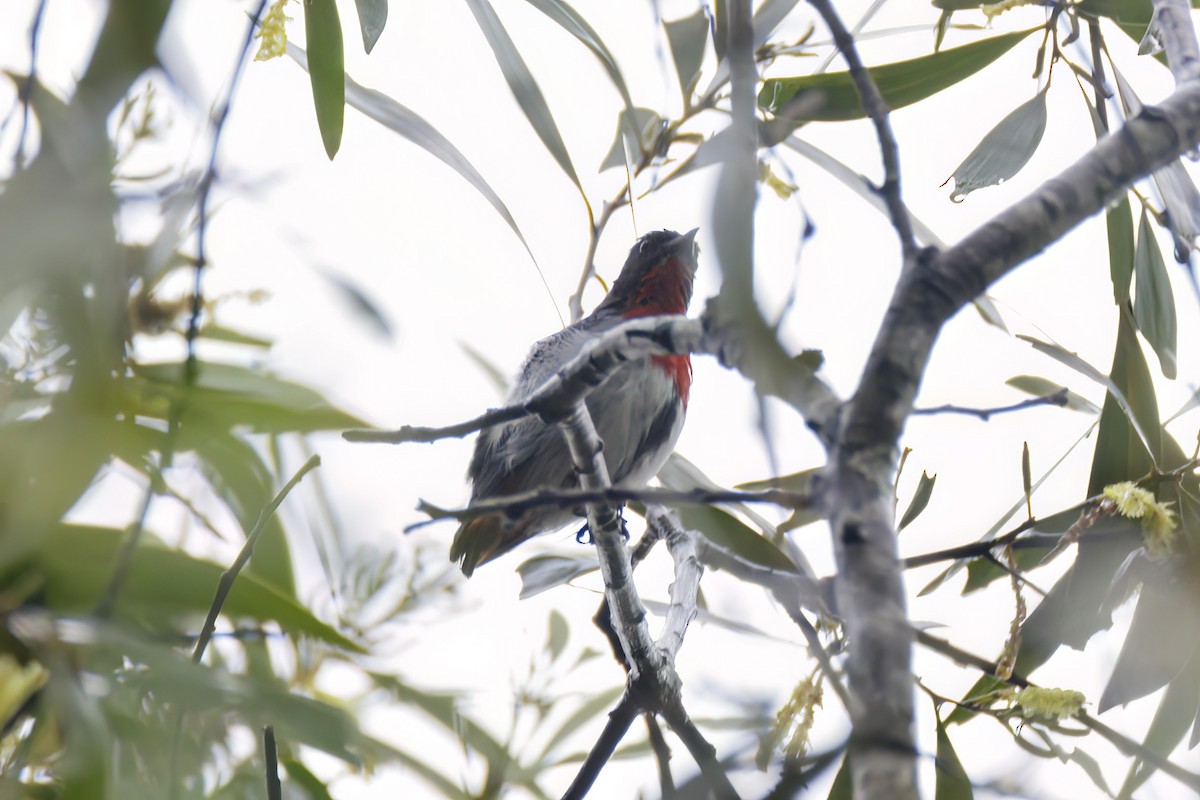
(638, 410)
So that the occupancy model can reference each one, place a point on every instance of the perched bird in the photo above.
(638, 410)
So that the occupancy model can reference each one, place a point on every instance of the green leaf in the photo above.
(239, 477)
(1119, 220)
(229, 396)
(218, 333)
(1176, 711)
(300, 775)
(559, 633)
(545, 572)
(1004, 150)
(412, 126)
(1181, 200)
(800, 482)
(688, 38)
(919, 501)
(596, 705)
(832, 96)
(726, 531)
(1027, 479)
(952, 780)
(1161, 640)
(323, 38)
(524, 88)
(1076, 363)
(1154, 303)
(372, 16)
(843, 782)
(577, 26)
(75, 563)
(1044, 387)
(643, 120)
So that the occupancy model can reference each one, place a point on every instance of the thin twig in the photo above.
(662, 757)
(1058, 398)
(30, 84)
(516, 505)
(230, 575)
(271, 757)
(877, 109)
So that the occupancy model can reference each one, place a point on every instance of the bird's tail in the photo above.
(482, 539)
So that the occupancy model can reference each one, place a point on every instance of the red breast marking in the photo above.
(679, 368)
(664, 290)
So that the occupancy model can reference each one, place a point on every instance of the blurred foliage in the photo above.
(100, 695)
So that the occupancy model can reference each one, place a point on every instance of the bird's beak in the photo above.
(686, 242)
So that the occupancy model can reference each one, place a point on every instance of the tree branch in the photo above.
(777, 375)
(877, 109)
(516, 505)
(1058, 398)
(684, 589)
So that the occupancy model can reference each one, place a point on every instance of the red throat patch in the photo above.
(665, 289)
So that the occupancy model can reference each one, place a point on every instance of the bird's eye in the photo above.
(645, 301)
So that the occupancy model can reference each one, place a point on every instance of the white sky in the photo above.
(446, 270)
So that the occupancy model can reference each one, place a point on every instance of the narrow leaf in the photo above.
(416, 129)
(574, 24)
(556, 641)
(1027, 479)
(1176, 711)
(1076, 363)
(1119, 220)
(688, 38)
(545, 572)
(1157, 647)
(726, 531)
(323, 37)
(952, 780)
(1005, 150)
(920, 499)
(372, 16)
(1153, 303)
(524, 88)
(1043, 387)
(832, 96)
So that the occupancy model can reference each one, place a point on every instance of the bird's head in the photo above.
(657, 276)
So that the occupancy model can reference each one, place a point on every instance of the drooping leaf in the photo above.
(843, 782)
(1044, 387)
(237, 474)
(1004, 150)
(645, 121)
(1072, 360)
(1119, 220)
(727, 532)
(688, 38)
(545, 572)
(920, 500)
(1160, 642)
(799, 482)
(372, 16)
(953, 783)
(559, 633)
(598, 704)
(1154, 303)
(229, 396)
(323, 38)
(1182, 202)
(75, 561)
(366, 309)
(1176, 712)
(571, 21)
(524, 88)
(832, 96)
(416, 129)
